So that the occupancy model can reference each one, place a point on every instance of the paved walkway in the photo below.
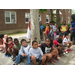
(68, 59)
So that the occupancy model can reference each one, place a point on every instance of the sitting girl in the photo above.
(1, 42)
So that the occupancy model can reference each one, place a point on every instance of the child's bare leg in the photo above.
(48, 56)
(43, 60)
(9, 50)
(33, 59)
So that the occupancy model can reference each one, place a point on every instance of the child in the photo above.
(16, 48)
(55, 28)
(23, 52)
(57, 35)
(51, 30)
(9, 47)
(59, 45)
(36, 53)
(67, 43)
(64, 29)
(41, 30)
(4, 41)
(1, 42)
(46, 30)
(47, 48)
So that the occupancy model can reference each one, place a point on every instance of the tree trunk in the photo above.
(57, 17)
(51, 12)
(35, 30)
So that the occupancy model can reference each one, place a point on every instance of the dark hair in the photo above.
(59, 40)
(66, 34)
(1, 36)
(34, 42)
(57, 32)
(64, 21)
(15, 39)
(50, 39)
(23, 40)
(60, 35)
(9, 38)
(73, 17)
(53, 22)
(50, 21)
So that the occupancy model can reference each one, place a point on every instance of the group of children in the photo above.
(56, 45)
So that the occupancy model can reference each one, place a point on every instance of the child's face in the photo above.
(16, 43)
(53, 23)
(50, 23)
(35, 45)
(5, 36)
(46, 24)
(10, 41)
(67, 36)
(47, 42)
(24, 43)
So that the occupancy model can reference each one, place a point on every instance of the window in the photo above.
(39, 17)
(68, 10)
(68, 19)
(27, 17)
(10, 17)
(47, 18)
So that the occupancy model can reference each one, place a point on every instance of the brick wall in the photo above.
(20, 16)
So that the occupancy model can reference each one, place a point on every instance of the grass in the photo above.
(17, 34)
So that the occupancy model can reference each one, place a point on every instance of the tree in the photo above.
(35, 30)
(57, 17)
(51, 12)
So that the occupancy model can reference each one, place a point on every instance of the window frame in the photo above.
(10, 18)
(69, 20)
(48, 19)
(28, 17)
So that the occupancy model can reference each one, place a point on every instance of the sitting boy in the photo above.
(67, 43)
(58, 44)
(36, 53)
(23, 52)
(16, 48)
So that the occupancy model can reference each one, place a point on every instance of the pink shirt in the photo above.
(55, 42)
(47, 32)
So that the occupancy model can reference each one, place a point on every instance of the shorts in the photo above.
(66, 45)
(39, 59)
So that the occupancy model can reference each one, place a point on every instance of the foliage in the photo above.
(42, 10)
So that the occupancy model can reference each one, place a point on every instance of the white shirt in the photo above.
(36, 52)
(65, 40)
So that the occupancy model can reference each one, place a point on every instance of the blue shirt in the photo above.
(73, 25)
(41, 27)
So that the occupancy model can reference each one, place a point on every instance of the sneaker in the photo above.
(15, 64)
(12, 57)
(69, 49)
(64, 53)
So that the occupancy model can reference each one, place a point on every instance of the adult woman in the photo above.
(29, 30)
(64, 28)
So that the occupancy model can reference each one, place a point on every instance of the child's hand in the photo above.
(25, 55)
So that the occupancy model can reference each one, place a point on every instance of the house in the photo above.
(16, 20)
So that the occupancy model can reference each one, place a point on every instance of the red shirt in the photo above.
(55, 42)
(11, 45)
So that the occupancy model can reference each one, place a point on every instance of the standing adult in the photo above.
(29, 30)
(73, 28)
(64, 28)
